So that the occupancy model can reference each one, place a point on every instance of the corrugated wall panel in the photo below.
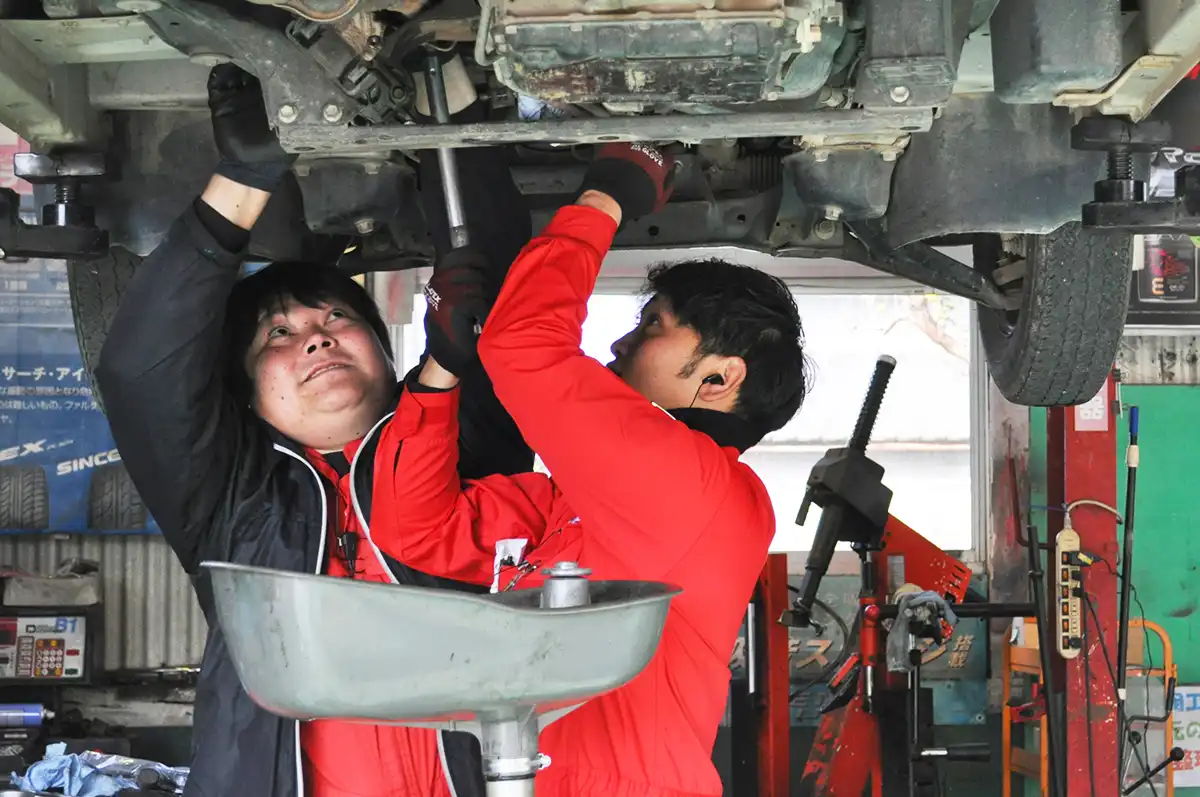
(1157, 359)
(151, 617)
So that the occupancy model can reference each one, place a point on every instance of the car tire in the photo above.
(24, 498)
(96, 290)
(1058, 347)
(113, 501)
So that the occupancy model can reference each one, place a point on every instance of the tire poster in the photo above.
(60, 471)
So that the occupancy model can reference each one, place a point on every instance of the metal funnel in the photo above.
(312, 647)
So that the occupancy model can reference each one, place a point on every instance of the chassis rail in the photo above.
(328, 140)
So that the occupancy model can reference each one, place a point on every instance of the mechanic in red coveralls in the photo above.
(647, 482)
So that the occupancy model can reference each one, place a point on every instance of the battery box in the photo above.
(50, 646)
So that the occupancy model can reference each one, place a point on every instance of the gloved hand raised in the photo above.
(638, 176)
(250, 150)
(458, 297)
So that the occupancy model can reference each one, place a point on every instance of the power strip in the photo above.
(1068, 613)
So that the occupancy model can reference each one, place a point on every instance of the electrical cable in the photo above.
(1087, 685)
(829, 669)
(1112, 673)
(1097, 504)
(1125, 725)
(1136, 599)
(1149, 666)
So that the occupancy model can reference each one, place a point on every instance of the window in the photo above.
(922, 437)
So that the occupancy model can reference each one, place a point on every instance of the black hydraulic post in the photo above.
(1131, 460)
(854, 502)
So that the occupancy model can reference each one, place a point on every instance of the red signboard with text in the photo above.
(10, 145)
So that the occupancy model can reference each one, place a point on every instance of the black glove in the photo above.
(458, 298)
(250, 150)
(638, 176)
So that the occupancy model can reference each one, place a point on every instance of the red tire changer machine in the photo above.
(875, 735)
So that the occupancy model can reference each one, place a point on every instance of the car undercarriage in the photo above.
(873, 131)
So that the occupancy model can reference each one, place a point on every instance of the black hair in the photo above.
(743, 312)
(310, 284)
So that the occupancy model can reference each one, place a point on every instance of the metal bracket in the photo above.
(924, 264)
(1172, 42)
(380, 91)
(296, 90)
(65, 172)
(1120, 202)
(18, 239)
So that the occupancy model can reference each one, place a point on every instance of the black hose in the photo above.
(829, 669)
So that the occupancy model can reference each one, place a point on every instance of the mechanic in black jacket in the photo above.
(247, 412)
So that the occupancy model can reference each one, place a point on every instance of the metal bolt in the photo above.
(567, 570)
(208, 59)
(900, 94)
(365, 226)
(331, 113)
(1120, 164)
(372, 167)
(890, 155)
(825, 229)
(832, 98)
(288, 113)
(833, 212)
(138, 6)
(566, 585)
(66, 192)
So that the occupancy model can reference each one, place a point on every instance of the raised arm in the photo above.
(160, 372)
(621, 461)
(434, 522)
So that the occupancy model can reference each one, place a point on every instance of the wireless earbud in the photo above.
(713, 379)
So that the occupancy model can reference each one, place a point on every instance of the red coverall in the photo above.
(635, 494)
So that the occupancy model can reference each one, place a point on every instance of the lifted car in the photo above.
(867, 130)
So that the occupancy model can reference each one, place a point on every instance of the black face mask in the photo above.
(726, 429)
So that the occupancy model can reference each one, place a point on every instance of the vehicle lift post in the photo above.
(1081, 464)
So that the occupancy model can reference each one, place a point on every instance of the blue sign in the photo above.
(60, 471)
